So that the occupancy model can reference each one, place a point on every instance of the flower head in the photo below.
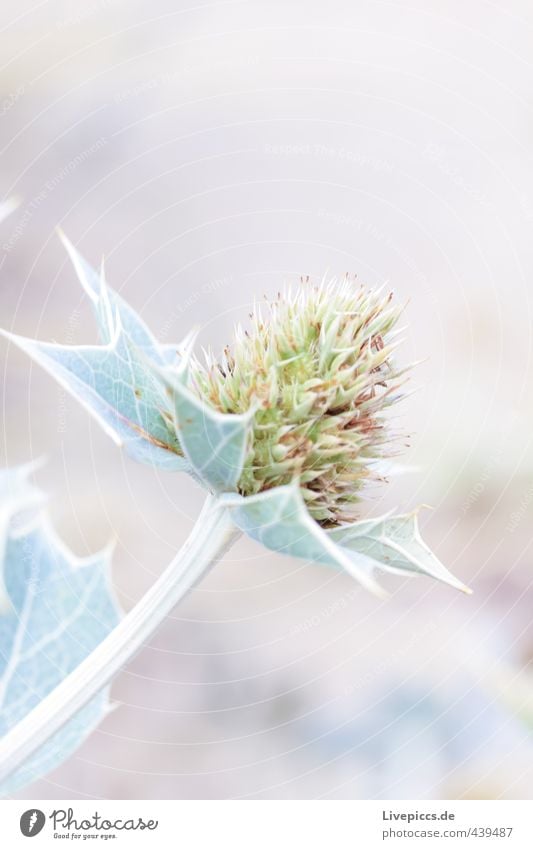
(316, 365)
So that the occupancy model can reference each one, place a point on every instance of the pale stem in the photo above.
(212, 535)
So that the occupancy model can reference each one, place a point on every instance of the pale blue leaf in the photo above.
(107, 304)
(215, 443)
(121, 389)
(61, 607)
(16, 495)
(394, 544)
(119, 382)
(278, 518)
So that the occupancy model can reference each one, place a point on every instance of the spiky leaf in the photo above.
(117, 385)
(117, 382)
(16, 495)
(393, 543)
(60, 608)
(279, 519)
(107, 304)
(214, 443)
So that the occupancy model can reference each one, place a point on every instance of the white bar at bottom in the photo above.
(270, 824)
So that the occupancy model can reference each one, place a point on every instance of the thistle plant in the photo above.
(315, 367)
(284, 431)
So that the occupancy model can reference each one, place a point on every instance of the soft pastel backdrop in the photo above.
(212, 152)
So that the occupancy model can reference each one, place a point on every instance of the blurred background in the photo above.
(213, 152)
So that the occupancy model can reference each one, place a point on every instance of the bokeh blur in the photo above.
(212, 152)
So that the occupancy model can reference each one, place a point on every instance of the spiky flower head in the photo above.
(316, 366)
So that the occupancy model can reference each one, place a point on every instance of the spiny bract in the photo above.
(316, 366)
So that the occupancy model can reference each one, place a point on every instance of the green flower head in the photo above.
(316, 367)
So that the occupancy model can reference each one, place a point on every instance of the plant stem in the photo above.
(212, 535)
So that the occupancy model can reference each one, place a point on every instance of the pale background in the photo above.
(212, 152)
